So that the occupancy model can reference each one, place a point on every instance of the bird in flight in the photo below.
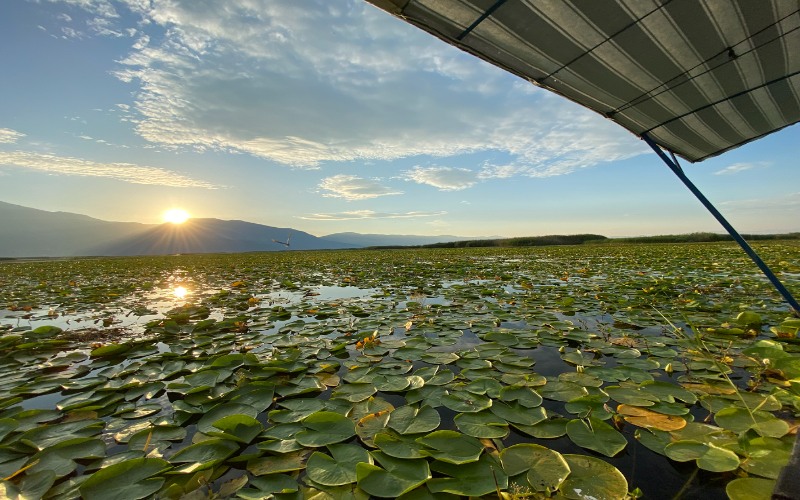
(284, 243)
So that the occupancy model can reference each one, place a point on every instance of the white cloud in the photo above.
(9, 136)
(443, 178)
(303, 83)
(125, 172)
(784, 202)
(370, 214)
(740, 167)
(351, 187)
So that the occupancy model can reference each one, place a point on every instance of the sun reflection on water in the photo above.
(180, 292)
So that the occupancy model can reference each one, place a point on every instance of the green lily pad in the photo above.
(750, 488)
(61, 458)
(522, 394)
(545, 469)
(484, 424)
(594, 434)
(203, 455)
(451, 447)
(238, 427)
(266, 486)
(474, 479)
(354, 392)
(740, 420)
(592, 477)
(284, 462)
(394, 478)
(206, 422)
(324, 428)
(708, 456)
(410, 420)
(399, 446)
(371, 424)
(340, 467)
(131, 479)
(465, 402)
(546, 428)
(517, 414)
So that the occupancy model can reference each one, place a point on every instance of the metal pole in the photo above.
(678, 171)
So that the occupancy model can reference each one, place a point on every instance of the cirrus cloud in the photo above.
(443, 178)
(370, 214)
(351, 187)
(9, 136)
(125, 172)
(305, 83)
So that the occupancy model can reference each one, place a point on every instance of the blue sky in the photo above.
(331, 116)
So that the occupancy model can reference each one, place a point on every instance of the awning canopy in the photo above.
(698, 77)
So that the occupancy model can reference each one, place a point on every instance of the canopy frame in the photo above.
(673, 165)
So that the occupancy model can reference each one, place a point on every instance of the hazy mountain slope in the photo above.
(28, 232)
(214, 235)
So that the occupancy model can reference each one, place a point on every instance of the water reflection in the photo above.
(180, 292)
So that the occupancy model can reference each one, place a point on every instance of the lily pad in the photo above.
(451, 447)
(594, 434)
(131, 479)
(340, 467)
(394, 478)
(545, 469)
(592, 477)
(411, 420)
(708, 456)
(324, 428)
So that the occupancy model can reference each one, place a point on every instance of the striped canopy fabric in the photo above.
(699, 77)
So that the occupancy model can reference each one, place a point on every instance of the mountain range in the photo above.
(30, 232)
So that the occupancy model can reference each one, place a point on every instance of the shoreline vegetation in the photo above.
(597, 239)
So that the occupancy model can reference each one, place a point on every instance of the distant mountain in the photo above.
(216, 236)
(29, 232)
(391, 240)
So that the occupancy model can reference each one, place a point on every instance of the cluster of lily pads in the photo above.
(559, 372)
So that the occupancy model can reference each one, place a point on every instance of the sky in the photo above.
(330, 116)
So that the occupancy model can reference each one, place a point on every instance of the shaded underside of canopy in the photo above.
(698, 77)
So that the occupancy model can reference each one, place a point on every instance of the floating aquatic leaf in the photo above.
(592, 477)
(265, 486)
(545, 469)
(451, 447)
(131, 479)
(394, 478)
(238, 427)
(750, 488)
(740, 420)
(206, 422)
(594, 434)
(484, 424)
(411, 420)
(466, 402)
(203, 455)
(474, 479)
(642, 417)
(707, 455)
(371, 424)
(340, 467)
(399, 446)
(324, 428)
(284, 462)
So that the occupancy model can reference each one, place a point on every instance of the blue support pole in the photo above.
(678, 171)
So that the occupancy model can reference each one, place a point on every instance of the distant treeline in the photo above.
(594, 239)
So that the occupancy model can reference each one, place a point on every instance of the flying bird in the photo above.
(284, 243)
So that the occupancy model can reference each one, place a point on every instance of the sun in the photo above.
(175, 216)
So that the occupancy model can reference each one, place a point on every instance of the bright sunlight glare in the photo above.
(175, 216)
(180, 292)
